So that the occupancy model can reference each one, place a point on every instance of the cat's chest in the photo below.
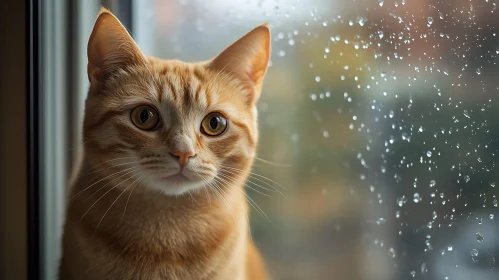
(160, 250)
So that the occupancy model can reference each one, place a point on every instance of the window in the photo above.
(378, 118)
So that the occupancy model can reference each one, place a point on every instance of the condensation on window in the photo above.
(379, 119)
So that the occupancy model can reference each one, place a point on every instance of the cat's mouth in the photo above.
(177, 178)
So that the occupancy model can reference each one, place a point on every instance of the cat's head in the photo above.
(170, 125)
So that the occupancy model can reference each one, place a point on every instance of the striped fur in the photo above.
(127, 218)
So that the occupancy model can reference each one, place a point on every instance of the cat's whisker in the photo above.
(255, 205)
(253, 175)
(274, 189)
(273, 163)
(207, 189)
(99, 189)
(219, 186)
(249, 187)
(80, 144)
(80, 192)
(220, 193)
(235, 174)
(109, 167)
(250, 201)
(192, 197)
(106, 161)
(133, 183)
(131, 191)
(114, 187)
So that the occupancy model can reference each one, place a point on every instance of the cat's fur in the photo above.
(125, 219)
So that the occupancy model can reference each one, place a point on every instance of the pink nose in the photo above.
(183, 157)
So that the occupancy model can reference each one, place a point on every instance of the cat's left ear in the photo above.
(111, 48)
(247, 59)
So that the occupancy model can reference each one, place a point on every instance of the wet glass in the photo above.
(379, 119)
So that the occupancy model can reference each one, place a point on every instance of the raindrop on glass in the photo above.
(401, 201)
(416, 198)
(430, 21)
(474, 252)
(466, 178)
(432, 183)
(361, 21)
(479, 237)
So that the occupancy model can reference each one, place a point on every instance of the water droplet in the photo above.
(416, 198)
(478, 71)
(430, 21)
(474, 252)
(491, 216)
(361, 21)
(466, 114)
(432, 183)
(381, 34)
(420, 129)
(325, 133)
(291, 42)
(494, 202)
(428, 154)
(493, 184)
(401, 201)
(413, 273)
(434, 215)
(381, 3)
(450, 248)
(282, 53)
(317, 78)
(466, 178)
(479, 237)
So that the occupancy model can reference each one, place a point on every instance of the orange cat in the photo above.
(167, 147)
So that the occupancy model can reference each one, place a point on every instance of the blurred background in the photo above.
(380, 118)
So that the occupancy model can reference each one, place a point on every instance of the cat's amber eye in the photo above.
(145, 117)
(214, 124)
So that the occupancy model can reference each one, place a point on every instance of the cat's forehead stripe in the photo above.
(185, 87)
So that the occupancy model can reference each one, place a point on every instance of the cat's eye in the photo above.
(145, 117)
(214, 124)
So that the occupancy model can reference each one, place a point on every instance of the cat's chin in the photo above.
(176, 185)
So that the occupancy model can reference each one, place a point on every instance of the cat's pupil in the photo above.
(214, 123)
(144, 116)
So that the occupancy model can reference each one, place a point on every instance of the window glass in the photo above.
(379, 120)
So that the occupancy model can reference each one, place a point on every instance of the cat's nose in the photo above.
(183, 157)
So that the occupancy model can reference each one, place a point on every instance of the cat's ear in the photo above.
(247, 59)
(110, 48)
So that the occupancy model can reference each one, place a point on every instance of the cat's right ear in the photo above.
(110, 48)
